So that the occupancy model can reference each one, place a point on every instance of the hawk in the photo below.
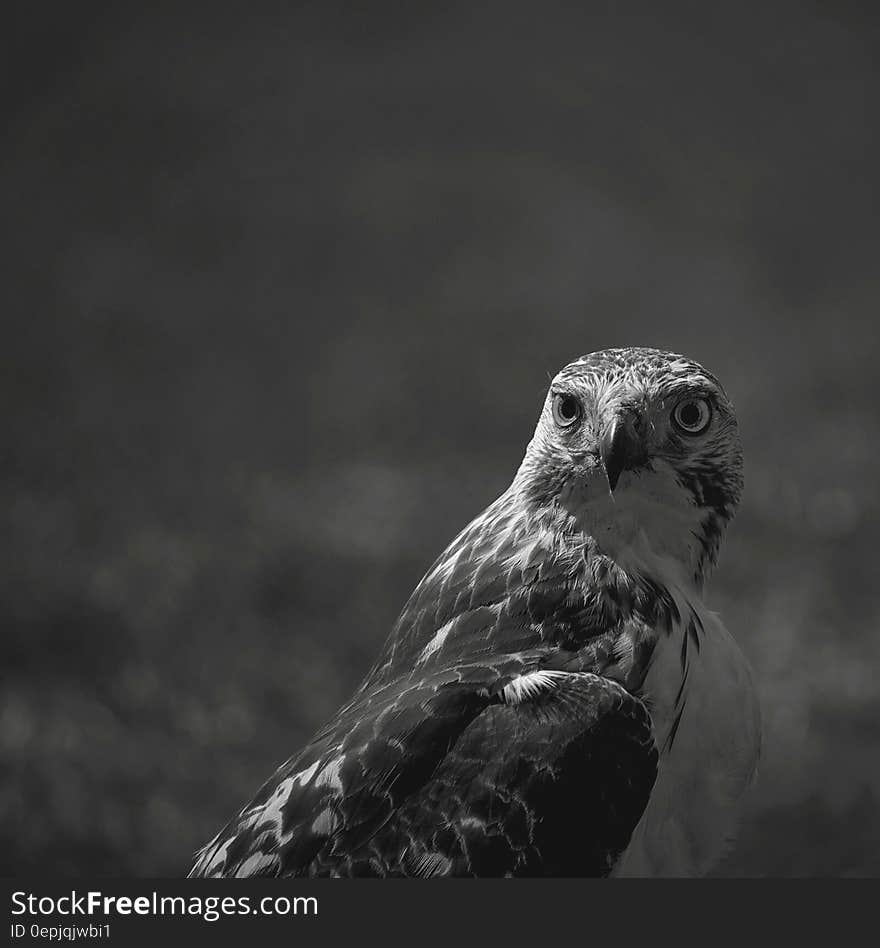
(555, 698)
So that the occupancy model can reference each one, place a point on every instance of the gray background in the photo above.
(281, 294)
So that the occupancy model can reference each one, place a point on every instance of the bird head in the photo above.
(639, 449)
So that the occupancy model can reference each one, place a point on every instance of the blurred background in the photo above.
(282, 291)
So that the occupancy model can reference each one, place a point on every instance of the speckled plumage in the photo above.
(533, 710)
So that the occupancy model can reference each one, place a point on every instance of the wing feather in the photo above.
(482, 770)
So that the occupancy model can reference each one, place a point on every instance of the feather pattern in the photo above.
(544, 703)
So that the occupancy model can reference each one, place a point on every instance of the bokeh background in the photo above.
(282, 290)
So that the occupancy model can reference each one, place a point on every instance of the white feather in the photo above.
(529, 686)
(701, 780)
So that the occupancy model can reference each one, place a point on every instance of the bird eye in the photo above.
(692, 415)
(566, 410)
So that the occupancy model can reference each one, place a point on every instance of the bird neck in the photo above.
(524, 576)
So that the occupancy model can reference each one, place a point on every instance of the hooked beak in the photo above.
(619, 448)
